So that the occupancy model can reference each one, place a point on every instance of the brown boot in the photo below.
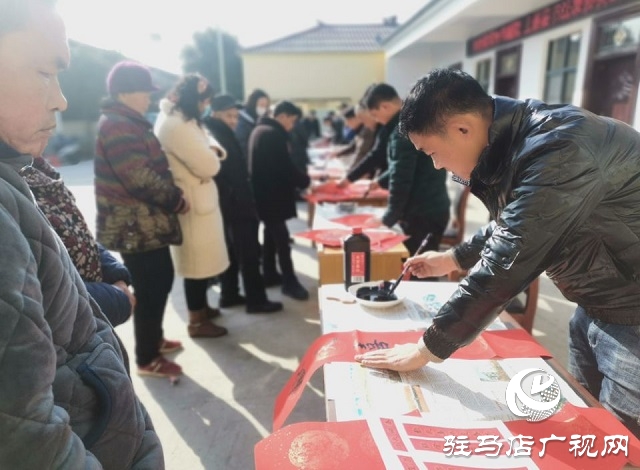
(212, 312)
(201, 327)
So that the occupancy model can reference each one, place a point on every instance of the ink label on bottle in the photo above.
(357, 267)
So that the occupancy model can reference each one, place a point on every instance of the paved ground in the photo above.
(223, 405)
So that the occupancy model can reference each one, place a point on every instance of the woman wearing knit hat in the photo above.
(137, 208)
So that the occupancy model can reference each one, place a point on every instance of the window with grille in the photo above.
(562, 62)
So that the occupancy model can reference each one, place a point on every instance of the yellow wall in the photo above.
(313, 78)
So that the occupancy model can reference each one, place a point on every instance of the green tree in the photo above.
(202, 57)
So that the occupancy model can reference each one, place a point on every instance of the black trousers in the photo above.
(244, 258)
(152, 278)
(417, 228)
(276, 241)
(195, 291)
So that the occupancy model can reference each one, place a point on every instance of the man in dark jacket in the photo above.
(418, 199)
(562, 187)
(239, 213)
(67, 400)
(275, 180)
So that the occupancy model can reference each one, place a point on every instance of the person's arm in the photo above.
(372, 161)
(402, 170)
(348, 150)
(194, 148)
(112, 269)
(112, 300)
(34, 431)
(128, 158)
(551, 198)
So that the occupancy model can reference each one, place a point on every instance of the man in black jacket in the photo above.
(275, 180)
(239, 214)
(562, 187)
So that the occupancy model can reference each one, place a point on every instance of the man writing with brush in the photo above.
(418, 199)
(562, 187)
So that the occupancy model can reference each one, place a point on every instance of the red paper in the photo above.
(573, 420)
(381, 240)
(330, 192)
(349, 444)
(321, 446)
(352, 220)
(343, 346)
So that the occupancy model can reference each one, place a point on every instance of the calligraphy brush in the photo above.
(422, 246)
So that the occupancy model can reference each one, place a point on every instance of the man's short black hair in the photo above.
(349, 113)
(437, 96)
(378, 93)
(15, 13)
(288, 108)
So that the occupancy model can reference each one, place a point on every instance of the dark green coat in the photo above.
(416, 188)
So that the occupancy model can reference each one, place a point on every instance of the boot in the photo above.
(212, 312)
(201, 327)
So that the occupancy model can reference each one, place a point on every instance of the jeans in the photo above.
(151, 278)
(605, 359)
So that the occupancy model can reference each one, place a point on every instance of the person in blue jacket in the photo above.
(107, 279)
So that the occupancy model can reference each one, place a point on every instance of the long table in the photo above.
(458, 414)
(422, 301)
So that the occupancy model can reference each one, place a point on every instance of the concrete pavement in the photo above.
(223, 404)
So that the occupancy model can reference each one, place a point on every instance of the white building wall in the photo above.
(404, 70)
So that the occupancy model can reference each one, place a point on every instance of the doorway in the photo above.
(615, 80)
(612, 82)
(507, 81)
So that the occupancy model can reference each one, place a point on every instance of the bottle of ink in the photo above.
(357, 258)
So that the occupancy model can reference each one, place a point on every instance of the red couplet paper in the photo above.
(350, 445)
(343, 346)
(579, 422)
(346, 445)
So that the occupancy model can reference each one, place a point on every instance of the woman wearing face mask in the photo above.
(257, 105)
(194, 157)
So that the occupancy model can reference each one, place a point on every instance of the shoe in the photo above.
(200, 326)
(212, 313)
(168, 346)
(232, 301)
(160, 367)
(266, 307)
(272, 279)
(295, 290)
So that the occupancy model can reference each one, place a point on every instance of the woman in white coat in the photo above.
(194, 157)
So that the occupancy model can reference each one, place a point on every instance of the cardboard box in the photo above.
(386, 265)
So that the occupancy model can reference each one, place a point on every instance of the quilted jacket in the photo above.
(136, 197)
(66, 400)
(563, 186)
